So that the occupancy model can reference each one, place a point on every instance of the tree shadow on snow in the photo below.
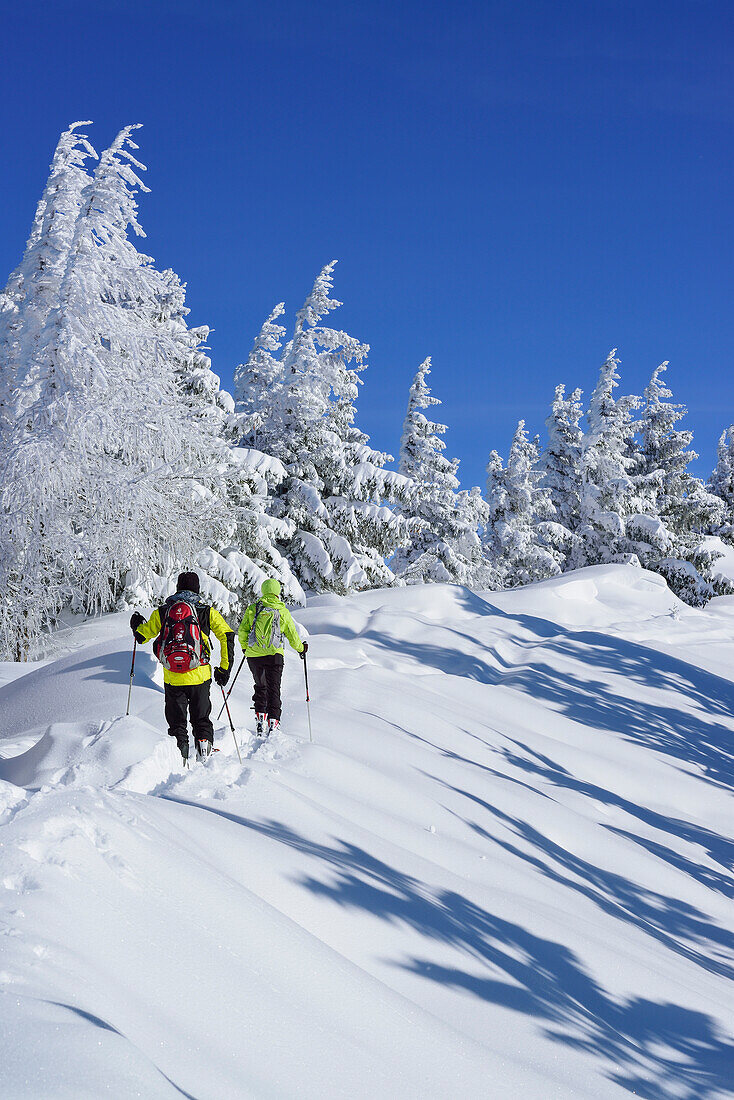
(669, 725)
(680, 927)
(671, 729)
(114, 668)
(719, 848)
(659, 1050)
(692, 721)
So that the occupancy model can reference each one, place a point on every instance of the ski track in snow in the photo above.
(504, 867)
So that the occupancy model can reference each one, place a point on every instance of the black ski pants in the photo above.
(196, 699)
(267, 673)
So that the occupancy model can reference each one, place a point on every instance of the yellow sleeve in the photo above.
(246, 626)
(152, 628)
(289, 629)
(225, 637)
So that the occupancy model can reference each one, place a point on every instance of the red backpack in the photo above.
(179, 646)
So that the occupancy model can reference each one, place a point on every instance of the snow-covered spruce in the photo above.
(257, 382)
(32, 291)
(235, 479)
(100, 468)
(721, 482)
(95, 471)
(338, 528)
(607, 458)
(560, 464)
(622, 491)
(680, 510)
(443, 522)
(522, 541)
(119, 452)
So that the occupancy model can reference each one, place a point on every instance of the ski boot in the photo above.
(261, 729)
(273, 725)
(182, 740)
(204, 749)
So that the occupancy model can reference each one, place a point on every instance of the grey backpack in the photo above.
(265, 632)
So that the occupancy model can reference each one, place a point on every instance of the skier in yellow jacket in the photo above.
(182, 627)
(265, 625)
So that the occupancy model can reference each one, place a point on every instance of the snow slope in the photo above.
(503, 868)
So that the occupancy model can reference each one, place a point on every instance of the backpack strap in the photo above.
(252, 636)
(204, 612)
(162, 612)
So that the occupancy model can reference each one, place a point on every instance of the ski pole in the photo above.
(308, 699)
(231, 724)
(132, 673)
(230, 688)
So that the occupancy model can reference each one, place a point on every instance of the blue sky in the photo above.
(511, 187)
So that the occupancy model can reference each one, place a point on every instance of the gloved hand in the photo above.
(303, 652)
(221, 675)
(136, 620)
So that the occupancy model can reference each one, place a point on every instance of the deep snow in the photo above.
(504, 867)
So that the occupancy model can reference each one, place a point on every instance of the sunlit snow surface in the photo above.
(504, 867)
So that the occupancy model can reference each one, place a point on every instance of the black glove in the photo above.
(136, 621)
(221, 675)
(303, 652)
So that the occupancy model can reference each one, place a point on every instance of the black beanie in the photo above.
(188, 582)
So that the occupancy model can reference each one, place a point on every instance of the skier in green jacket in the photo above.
(265, 625)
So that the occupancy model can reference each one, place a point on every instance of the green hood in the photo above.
(271, 588)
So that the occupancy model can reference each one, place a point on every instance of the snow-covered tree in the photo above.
(721, 482)
(682, 500)
(639, 503)
(336, 493)
(358, 490)
(608, 493)
(237, 480)
(444, 541)
(257, 382)
(522, 541)
(560, 462)
(101, 473)
(32, 291)
(679, 510)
